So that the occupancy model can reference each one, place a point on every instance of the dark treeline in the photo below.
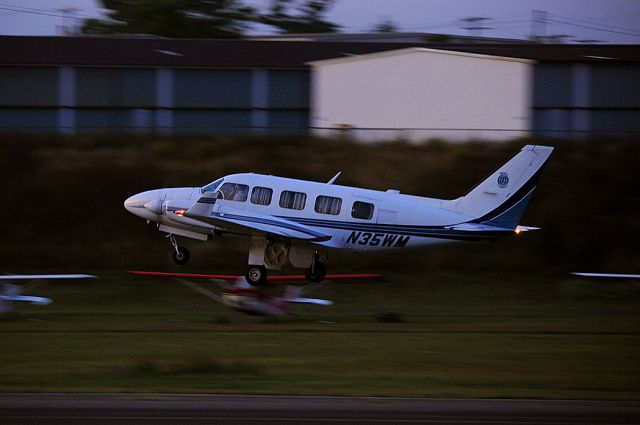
(63, 199)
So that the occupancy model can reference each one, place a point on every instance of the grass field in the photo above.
(501, 319)
(459, 336)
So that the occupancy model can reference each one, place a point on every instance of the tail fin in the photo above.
(501, 199)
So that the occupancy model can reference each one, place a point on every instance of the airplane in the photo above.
(258, 301)
(297, 222)
(12, 291)
(608, 275)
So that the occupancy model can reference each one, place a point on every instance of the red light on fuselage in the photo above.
(181, 212)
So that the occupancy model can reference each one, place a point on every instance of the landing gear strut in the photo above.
(316, 271)
(181, 254)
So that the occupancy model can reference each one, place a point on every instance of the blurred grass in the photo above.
(499, 319)
(491, 335)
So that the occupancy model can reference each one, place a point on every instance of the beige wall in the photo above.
(465, 95)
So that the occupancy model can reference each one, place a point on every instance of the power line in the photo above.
(591, 28)
(43, 12)
(618, 28)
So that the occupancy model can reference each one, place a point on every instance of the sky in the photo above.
(602, 21)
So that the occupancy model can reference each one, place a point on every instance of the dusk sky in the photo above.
(609, 21)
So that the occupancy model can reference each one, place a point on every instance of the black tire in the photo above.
(181, 257)
(316, 273)
(256, 275)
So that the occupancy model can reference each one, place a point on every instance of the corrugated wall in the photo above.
(569, 99)
(77, 99)
(578, 99)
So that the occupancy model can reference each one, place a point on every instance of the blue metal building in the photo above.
(156, 85)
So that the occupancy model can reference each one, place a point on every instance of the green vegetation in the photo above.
(210, 18)
(459, 336)
(501, 319)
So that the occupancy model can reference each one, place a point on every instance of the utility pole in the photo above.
(474, 26)
(68, 26)
(538, 25)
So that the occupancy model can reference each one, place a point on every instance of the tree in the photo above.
(208, 18)
(385, 25)
(173, 18)
(293, 17)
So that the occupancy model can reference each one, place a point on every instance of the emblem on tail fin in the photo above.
(503, 180)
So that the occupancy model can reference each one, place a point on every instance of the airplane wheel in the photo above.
(182, 256)
(316, 273)
(256, 275)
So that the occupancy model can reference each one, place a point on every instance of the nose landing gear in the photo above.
(181, 254)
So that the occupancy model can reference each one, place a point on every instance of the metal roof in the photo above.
(165, 52)
(137, 51)
(417, 50)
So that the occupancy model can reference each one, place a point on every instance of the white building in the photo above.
(418, 93)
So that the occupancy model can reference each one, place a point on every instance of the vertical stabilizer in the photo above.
(501, 199)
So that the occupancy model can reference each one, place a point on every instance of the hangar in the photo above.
(418, 93)
(157, 85)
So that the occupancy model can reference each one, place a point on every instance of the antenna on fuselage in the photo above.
(334, 178)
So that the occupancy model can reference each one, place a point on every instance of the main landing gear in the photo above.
(257, 274)
(316, 271)
(181, 254)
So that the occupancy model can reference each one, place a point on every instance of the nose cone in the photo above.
(132, 203)
(137, 204)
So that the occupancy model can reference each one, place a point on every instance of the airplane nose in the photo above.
(144, 205)
(147, 205)
(132, 203)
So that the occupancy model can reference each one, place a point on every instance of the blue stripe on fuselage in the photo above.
(440, 232)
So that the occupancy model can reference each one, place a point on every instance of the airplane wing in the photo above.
(608, 275)
(246, 222)
(27, 299)
(45, 276)
(287, 278)
(10, 291)
(314, 301)
(241, 296)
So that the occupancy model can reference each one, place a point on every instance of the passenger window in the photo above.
(362, 210)
(292, 200)
(234, 192)
(261, 195)
(328, 205)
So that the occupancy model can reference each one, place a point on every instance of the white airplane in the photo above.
(12, 291)
(296, 222)
(257, 301)
(608, 275)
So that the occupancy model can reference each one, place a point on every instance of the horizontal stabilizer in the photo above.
(520, 229)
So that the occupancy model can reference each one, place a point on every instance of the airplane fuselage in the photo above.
(356, 219)
(295, 222)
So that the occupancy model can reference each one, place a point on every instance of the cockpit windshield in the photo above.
(211, 187)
